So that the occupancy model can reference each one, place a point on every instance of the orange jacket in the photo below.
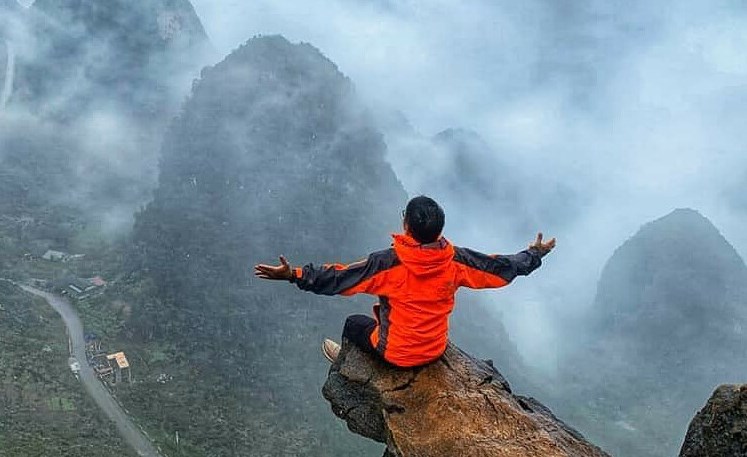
(415, 284)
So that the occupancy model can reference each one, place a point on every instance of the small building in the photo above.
(58, 256)
(80, 288)
(101, 366)
(119, 364)
(55, 256)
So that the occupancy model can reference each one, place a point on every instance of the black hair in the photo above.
(425, 219)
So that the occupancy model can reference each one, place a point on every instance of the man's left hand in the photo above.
(543, 248)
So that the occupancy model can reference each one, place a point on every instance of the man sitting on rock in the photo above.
(415, 280)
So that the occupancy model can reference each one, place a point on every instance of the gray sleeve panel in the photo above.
(328, 280)
(507, 267)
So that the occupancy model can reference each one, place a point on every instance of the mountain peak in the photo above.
(683, 217)
(686, 236)
(677, 278)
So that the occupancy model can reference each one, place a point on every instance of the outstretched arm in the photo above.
(479, 271)
(364, 276)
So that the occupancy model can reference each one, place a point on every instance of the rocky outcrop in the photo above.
(456, 406)
(720, 428)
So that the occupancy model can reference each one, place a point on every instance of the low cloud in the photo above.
(637, 108)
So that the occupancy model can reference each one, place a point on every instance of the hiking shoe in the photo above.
(330, 349)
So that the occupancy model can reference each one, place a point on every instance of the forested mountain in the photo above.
(119, 55)
(271, 154)
(35, 208)
(677, 284)
(93, 88)
(669, 323)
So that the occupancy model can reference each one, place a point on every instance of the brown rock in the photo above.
(456, 406)
(720, 428)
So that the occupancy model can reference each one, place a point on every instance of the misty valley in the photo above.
(148, 161)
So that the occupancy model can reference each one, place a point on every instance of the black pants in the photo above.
(358, 329)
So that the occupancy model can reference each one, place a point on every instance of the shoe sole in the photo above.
(326, 354)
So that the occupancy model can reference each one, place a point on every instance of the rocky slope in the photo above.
(455, 406)
(720, 428)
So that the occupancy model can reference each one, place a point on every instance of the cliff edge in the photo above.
(456, 406)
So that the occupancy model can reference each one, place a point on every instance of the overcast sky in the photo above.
(639, 106)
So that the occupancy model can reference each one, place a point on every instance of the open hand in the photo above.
(282, 271)
(543, 248)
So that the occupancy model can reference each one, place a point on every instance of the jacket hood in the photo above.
(423, 259)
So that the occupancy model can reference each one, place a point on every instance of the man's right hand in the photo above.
(282, 271)
(543, 248)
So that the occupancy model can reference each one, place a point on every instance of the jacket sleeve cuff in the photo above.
(296, 274)
(537, 258)
(535, 251)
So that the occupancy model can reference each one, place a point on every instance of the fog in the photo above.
(59, 90)
(583, 120)
(637, 107)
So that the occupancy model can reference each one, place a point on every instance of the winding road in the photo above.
(127, 429)
(10, 71)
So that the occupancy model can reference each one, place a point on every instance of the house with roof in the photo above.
(80, 288)
(120, 365)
